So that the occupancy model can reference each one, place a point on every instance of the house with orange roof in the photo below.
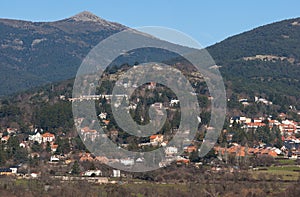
(182, 161)
(53, 147)
(219, 150)
(237, 150)
(273, 153)
(255, 125)
(48, 137)
(274, 123)
(190, 149)
(156, 139)
(88, 133)
(106, 122)
(264, 152)
(242, 151)
(86, 157)
(288, 128)
(5, 138)
(269, 152)
(102, 159)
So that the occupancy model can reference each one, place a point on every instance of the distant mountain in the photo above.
(264, 61)
(280, 38)
(35, 53)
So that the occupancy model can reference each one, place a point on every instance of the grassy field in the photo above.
(284, 168)
(286, 162)
(286, 173)
(24, 188)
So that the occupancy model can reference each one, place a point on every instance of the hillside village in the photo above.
(48, 147)
(44, 148)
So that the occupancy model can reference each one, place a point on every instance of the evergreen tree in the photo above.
(75, 168)
(194, 156)
(48, 147)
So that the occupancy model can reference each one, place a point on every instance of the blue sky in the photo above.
(206, 21)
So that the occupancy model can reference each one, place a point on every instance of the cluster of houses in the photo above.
(290, 150)
(171, 153)
(9, 131)
(286, 127)
(37, 137)
(42, 138)
(246, 102)
(243, 151)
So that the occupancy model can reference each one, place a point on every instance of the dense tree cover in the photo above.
(277, 79)
(12, 151)
(78, 144)
(280, 38)
(53, 117)
(9, 111)
(63, 146)
(36, 147)
(10, 114)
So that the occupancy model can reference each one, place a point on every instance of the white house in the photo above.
(88, 133)
(157, 106)
(262, 100)
(34, 175)
(140, 160)
(174, 102)
(36, 138)
(22, 145)
(102, 115)
(127, 162)
(277, 150)
(92, 173)
(14, 170)
(54, 159)
(116, 173)
(171, 150)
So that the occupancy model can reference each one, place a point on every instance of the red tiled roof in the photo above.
(256, 124)
(155, 136)
(48, 134)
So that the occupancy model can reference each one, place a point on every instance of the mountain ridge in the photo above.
(260, 61)
(35, 53)
(280, 28)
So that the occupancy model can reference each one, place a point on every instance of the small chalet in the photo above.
(5, 138)
(190, 148)
(36, 138)
(48, 137)
(156, 139)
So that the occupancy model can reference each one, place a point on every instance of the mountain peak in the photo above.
(86, 16)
